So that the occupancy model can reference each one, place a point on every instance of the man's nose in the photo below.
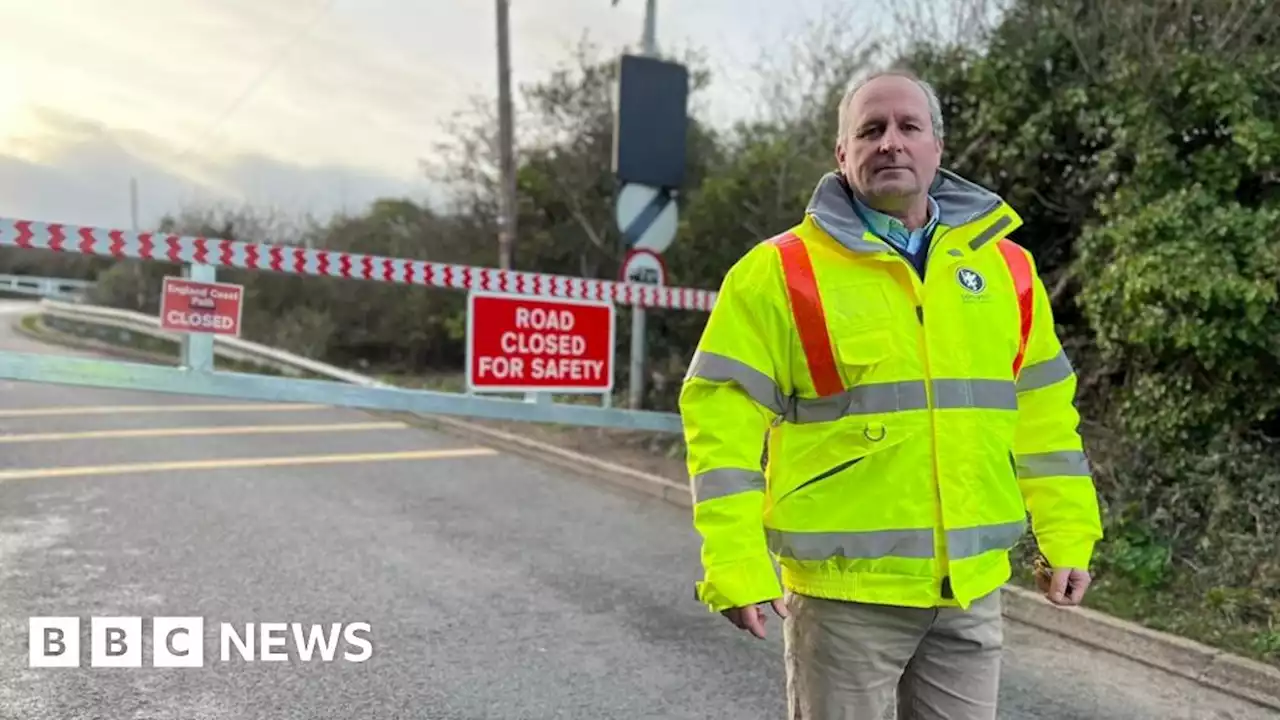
(891, 141)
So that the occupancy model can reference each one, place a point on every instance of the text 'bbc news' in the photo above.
(117, 642)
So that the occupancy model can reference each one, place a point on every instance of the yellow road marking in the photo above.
(79, 470)
(195, 431)
(119, 409)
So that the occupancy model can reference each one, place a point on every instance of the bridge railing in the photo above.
(50, 287)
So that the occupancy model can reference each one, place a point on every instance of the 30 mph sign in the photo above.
(524, 344)
(201, 307)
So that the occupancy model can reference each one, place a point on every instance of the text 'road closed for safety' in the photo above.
(526, 344)
(201, 307)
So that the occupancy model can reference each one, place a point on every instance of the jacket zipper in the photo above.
(930, 401)
(919, 279)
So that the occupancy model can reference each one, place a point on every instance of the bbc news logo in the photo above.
(178, 642)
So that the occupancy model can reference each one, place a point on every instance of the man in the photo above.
(895, 354)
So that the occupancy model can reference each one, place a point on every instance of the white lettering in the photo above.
(514, 343)
(188, 291)
(270, 640)
(541, 319)
(245, 645)
(200, 320)
(567, 369)
(349, 634)
(307, 639)
(204, 292)
(500, 368)
(305, 648)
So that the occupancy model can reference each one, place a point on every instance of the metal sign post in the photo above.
(197, 348)
(641, 267)
(647, 218)
(649, 150)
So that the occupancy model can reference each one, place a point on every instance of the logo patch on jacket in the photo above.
(971, 280)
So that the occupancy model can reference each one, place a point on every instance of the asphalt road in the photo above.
(494, 588)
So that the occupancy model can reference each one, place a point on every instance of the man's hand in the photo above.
(1066, 586)
(752, 617)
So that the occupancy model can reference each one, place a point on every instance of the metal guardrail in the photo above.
(343, 388)
(232, 348)
(49, 287)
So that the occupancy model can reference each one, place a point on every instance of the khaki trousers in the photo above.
(849, 661)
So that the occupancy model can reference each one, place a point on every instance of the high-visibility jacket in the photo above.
(881, 436)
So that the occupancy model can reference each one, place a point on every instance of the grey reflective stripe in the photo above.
(725, 481)
(985, 394)
(990, 233)
(718, 368)
(906, 395)
(1072, 463)
(864, 545)
(1044, 374)
(973, 541)
(915, 544)
(861, 400)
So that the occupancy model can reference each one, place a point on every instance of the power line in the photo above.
(257, 82)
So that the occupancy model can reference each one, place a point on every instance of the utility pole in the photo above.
(506, 141)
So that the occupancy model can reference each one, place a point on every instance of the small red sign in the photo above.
(201, 307)
(526, 344)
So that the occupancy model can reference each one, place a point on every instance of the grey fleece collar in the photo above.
(960, 201)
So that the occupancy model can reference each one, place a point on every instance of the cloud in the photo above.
(79, 170)
(308, 105)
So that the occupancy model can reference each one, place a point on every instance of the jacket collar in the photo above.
(959, 202)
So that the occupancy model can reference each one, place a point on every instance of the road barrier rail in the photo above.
(339, 387)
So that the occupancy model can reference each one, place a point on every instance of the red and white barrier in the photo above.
(323, 263)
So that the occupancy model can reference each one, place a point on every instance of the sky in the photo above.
(300, 106)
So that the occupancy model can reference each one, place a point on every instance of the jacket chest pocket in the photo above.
(860, 317)
(859, 353)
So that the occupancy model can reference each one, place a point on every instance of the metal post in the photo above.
(650, 27)
(197, 348)
(133, 202)
(635, 398)
(139, 274)
(506, 141)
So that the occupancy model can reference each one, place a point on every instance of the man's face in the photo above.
(888, 151)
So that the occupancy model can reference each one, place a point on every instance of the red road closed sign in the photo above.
(527, 344)
(201, 307)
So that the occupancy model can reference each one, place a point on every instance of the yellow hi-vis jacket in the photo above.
(883, 437)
